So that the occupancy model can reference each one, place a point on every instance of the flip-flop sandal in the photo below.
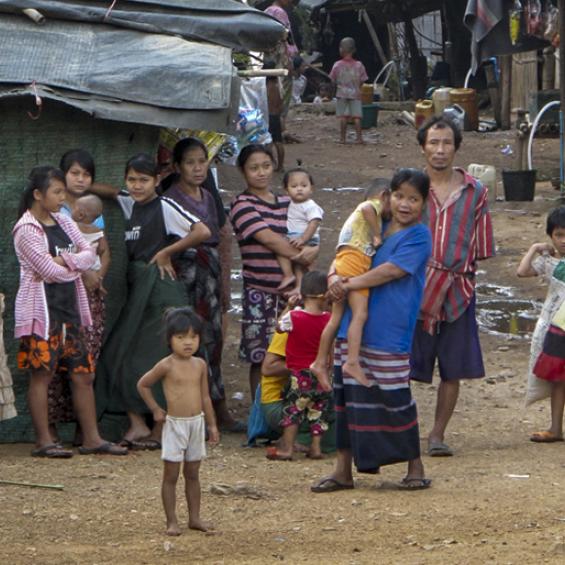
(330, 484)
(414, 483)
(439, 449)
(545, 437)
(145, 445)
(52, 451)
(274, 455)
(315, 457)
(106, 448)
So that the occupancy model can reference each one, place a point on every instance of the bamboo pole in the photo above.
(32, 485)
(506, 90)
(263, 73)
(374, 36)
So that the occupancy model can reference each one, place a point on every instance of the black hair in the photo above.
(249, 150)
(325, 86)
(314, 284)
(184, 145)
(269, 64)
(286, 177)
(414, 177)
(80, 156)
(39, 179)
(439, 122)
(378, 185)
(297, 62)
(181, 321)
(144, 164)
(555, 219)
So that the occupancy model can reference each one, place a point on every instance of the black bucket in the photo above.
(519, 185)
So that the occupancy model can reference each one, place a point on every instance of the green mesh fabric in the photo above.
(25, 143)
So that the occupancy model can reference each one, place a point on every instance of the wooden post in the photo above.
(374, 36)
(548, 73)
(493, 91)
(506, 90)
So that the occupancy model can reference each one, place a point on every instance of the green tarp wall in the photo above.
(24, 143)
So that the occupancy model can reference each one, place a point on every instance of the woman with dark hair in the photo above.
(52, 312)
(377, 425)
(79, 170)
(157, 231)
(259, 219)
(200, 268)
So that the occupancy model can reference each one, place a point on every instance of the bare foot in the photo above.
(322, 374)
(356, 371)
(198, 524)
(173, 529)
(287, 281)
(314, 453)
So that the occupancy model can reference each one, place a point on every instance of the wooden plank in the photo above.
(524, 78)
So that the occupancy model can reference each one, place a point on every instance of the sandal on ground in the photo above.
(52, 451)
(414, 483)
(274, 455)
(315, 457)
(106, 448)
(329, 484)
(439, 449)
(545, 437)
(143, 444)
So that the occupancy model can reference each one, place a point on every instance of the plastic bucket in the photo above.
(519, 185)
(370, 115)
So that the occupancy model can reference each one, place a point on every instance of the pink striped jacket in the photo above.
(37, 267)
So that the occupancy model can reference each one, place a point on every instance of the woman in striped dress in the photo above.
(378, 425)
(259, 220)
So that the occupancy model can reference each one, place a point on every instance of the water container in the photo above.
(467, 99)
(456, 114)
(485, 173)
(441, 99)
(424, 111)
(367, 93)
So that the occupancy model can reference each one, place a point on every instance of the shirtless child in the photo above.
(185, 386)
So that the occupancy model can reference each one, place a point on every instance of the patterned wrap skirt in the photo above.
(200, 270)
(378, 424)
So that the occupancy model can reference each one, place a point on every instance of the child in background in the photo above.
(548, 261)
(324, 94)
(348, 75)
(275, 102)
(304, 398)
(189, 407)
(299, 80)
(85, 213)
(303, 222)
(357, 243)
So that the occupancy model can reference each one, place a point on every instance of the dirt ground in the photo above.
(499, 500)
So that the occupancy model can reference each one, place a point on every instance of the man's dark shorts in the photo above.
(456, 348)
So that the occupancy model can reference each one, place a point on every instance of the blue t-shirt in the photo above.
(99, 222)
(394, 307)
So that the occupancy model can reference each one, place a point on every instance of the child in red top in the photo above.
(303, 397)
(348, 75)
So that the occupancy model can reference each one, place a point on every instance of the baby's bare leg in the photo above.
(288, 274)
(320, 367)
(192, 492)
(168, 494)
(358, 303)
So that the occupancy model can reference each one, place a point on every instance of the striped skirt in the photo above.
(379, 425)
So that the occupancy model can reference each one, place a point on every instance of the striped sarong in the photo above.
(379, 425)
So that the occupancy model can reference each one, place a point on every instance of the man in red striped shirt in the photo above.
(458, 217)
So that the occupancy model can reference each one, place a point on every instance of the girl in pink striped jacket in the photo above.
(52, 310)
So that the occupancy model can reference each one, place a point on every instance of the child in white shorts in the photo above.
(189, 407)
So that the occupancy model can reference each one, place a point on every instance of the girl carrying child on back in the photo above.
(548, 261)
(303, 223)
(358, 240)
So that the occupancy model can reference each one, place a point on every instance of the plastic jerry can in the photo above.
(485, 173)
